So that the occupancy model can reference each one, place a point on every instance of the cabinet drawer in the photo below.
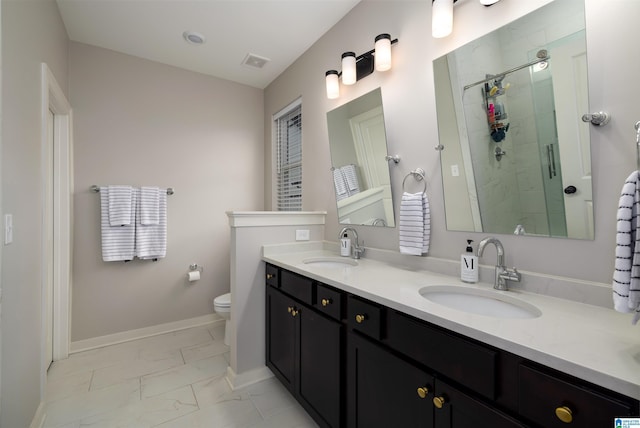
(272, 275)
(329, 301)
(459, 359)
(365, 317)
(545, 398)
(297, 286)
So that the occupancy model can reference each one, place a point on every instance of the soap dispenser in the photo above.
(345, 246)
(469, 265)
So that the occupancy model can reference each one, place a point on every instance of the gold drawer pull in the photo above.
(438, 402)
(326, 302)
(423, 391)
(564, 414)
(270, 276)
(360, 318)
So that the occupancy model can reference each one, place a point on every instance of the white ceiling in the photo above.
(152, 29)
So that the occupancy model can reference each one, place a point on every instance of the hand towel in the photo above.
(415, 224)
(340, 184)
(120, 205)
(626, 277)
(149, 206)
(151, 240)
(351, 178)
(118, 242)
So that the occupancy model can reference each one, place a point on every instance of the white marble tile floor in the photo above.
(174, 380)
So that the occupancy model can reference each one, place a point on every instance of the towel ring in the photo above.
(418, 174)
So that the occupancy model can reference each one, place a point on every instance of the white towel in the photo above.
(149, 206)
(121, 206)
(118, 242)
(415, 224)
(151, 240)
(340, 184)
(351, 178)
(626, 277)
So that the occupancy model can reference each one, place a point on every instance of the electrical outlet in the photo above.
(302, 235)
(455, 171)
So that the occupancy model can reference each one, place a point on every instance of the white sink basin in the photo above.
(330, 262)
(480, 302)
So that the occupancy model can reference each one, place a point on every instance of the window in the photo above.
(288, 142)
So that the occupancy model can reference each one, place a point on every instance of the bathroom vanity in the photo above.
(378, 356)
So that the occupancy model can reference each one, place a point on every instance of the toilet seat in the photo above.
(223, 301)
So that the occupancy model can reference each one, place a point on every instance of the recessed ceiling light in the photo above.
(193, 38)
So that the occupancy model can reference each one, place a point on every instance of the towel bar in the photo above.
(96, 189)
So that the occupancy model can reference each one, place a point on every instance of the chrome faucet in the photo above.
(356, 249)
(502, 273)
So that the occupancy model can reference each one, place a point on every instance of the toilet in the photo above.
(222, 306)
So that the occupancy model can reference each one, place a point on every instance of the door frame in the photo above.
(53, 99)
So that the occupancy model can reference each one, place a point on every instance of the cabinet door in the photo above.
(320, 366)
(455, 409)
(281, 336)
(383, 389)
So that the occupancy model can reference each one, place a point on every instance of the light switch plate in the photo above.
(302, 235)
(8, 229)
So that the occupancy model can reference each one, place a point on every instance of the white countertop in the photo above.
(593, 343)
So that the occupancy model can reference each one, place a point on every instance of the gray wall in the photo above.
(32, 33)
(410, 116)
(142, 123)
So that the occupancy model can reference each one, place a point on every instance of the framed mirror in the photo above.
(358, 145)
(516, 155)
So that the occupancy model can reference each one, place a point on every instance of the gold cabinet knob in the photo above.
(294, 312)
(270, 276)
(360, 318)
(326, 302)
(438, 402)
(423, 391)
(290, 309)
(564, 414)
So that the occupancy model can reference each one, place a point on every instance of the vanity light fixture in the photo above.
(442, 16)
(349, 68)
(355, 67)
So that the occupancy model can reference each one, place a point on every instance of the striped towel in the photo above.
(151, 240)
(340, 184)
(415, 224)
(351, 178)
(626, 277)
(118, 242)
(120, 205)
(149, 206)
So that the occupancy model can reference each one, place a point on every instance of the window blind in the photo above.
(289, 160)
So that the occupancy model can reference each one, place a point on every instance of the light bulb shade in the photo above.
(382, 55)
(333, 84)
(441, 18)
(349, 68)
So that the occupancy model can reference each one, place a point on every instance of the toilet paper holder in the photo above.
(194, 267)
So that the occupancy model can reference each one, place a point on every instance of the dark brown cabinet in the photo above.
(455, 409)
(383, 390)
(304, 351)
(355, 363)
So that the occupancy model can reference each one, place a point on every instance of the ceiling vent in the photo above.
(255, 61)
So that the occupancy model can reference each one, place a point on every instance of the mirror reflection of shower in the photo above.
(509, 113)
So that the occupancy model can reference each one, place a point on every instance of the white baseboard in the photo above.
(237, 381)
(40, 417)
(140, 333)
